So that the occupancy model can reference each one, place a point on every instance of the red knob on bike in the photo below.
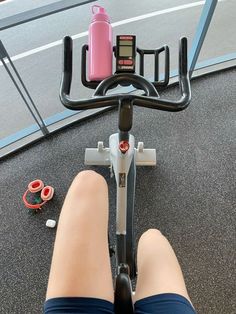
(124, 146)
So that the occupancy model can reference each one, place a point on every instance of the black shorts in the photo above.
(166, 303)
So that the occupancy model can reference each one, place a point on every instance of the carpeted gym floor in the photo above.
(190, 195)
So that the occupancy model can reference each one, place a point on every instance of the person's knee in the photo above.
(150, 236)
(89, 174)
(88, 183)
(90, 179)
(150, 245)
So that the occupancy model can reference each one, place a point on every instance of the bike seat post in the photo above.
(123, 302)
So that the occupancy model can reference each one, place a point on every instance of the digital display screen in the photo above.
(126, 42)
(125, 51)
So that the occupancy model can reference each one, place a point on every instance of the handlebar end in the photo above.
(183, 56)
(67, 58)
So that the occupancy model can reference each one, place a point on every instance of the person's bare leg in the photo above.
(158, 268)
(81, 263)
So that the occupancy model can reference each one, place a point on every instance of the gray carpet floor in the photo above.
(190, 196)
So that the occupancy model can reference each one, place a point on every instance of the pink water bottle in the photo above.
(100, 50)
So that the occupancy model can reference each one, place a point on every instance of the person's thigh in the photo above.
(81, 263)
(158, 268)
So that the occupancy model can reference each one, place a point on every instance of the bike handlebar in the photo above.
(151, 99)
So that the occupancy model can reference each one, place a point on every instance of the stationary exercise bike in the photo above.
(121, 156)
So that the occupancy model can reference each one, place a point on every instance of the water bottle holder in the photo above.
(157, 82)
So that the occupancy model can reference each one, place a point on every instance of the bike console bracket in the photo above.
(159, 84)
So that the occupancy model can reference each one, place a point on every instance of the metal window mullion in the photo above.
(40, 12)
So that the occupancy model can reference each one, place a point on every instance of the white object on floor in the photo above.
(51, 223)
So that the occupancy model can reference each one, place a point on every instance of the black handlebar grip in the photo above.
(183, 57)
(67, 63)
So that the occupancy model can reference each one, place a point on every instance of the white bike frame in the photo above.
(120, 163)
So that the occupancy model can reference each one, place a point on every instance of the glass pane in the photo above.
(220, 38)
(12, 7)
(14, 115)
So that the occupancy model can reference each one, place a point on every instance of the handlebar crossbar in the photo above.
(150, 99)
